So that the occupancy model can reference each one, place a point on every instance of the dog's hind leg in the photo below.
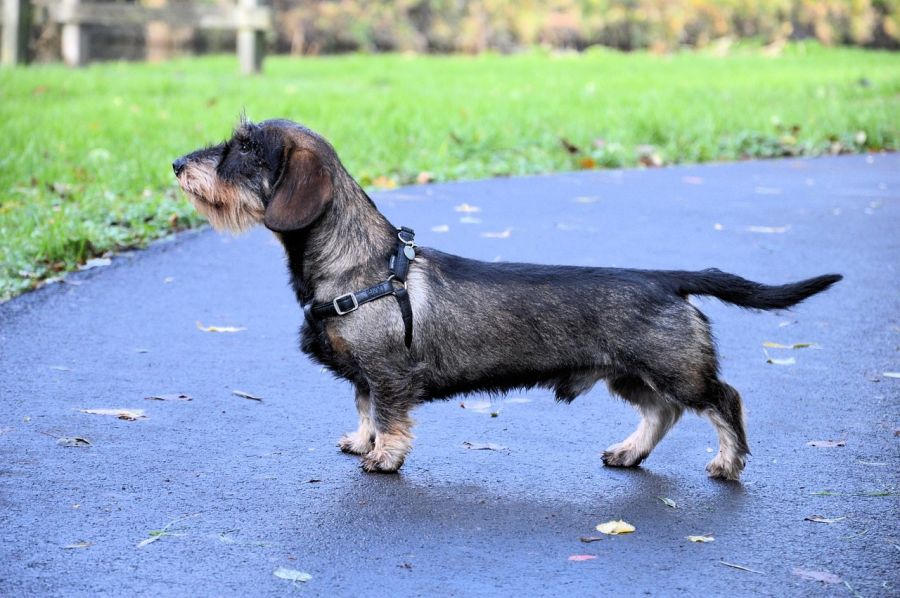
(726, 415)
(362, 440)
(659, 415)
(392, 401)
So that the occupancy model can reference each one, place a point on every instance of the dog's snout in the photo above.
(178, 165)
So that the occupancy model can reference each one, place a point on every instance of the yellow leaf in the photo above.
(701, 538)
(219, 328)
(126, 414)
(384, 182)
(464, 207)
(614, 528)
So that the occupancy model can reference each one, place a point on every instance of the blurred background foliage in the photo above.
(304, 27)
(471, 26)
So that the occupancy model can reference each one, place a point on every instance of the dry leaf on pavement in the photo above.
(291, 574)
(126, 414)
(219, 328)
(701, 539)
(614, 528)
(823, 576)
(169, 397)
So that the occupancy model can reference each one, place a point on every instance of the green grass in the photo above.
(85, 154)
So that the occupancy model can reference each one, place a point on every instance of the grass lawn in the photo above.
(85, 154)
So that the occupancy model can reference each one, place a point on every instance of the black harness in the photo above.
(350, 302)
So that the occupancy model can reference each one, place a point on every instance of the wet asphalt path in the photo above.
(259, 485)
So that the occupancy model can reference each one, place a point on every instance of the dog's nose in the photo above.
(178, 165)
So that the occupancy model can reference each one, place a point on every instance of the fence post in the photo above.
(250, 41)
(74, 37)
(157, 35)
(16, 26)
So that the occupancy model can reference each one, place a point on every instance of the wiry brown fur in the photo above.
(477, 326)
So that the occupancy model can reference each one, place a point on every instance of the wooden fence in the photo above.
(248, 18)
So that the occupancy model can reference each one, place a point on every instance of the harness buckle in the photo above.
(337, 308)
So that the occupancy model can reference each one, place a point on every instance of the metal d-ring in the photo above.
(393, 277)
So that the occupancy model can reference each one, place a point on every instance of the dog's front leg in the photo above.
(362, 440)
(391, 403)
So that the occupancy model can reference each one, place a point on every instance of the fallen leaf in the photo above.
(823, 576)
(469, 220)
(483, 446)
(784, 361)
(169, 397)
(97, 262)
(587, 163)
(589, 539)
(771, 345)
(440, 228)
(891, 374)
(667, 501)
(826, 443)
(468, 209)
(614, 528)
(219, 328)
(80, 544)
(820, 519)
(154, 536)
(126, 414)
(582, 557)
(701, 539)
(73, 441)
(291, 574)
(741, 567)
(586, 199)
(768, 229)
(60, 368)
(384, 182)
(246, 395)
(501, 235)
(424, 177)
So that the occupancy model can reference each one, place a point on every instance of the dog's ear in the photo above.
(302, 192)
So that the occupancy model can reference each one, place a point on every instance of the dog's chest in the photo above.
(324, 345)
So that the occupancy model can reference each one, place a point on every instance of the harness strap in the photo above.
(350, 302)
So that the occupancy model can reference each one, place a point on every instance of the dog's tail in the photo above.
(746, 293)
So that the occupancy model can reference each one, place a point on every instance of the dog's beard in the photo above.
(225, 206)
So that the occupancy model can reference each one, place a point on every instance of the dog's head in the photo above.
(276, 172)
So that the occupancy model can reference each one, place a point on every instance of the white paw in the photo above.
(622, 454)
(355, 443)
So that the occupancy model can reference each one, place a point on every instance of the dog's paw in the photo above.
(388, 453)
(726, 468)
(382, 461)
(622, 455)
(355, 443)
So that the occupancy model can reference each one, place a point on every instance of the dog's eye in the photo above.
(244, 147)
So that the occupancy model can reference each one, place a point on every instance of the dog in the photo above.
(459, 325)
